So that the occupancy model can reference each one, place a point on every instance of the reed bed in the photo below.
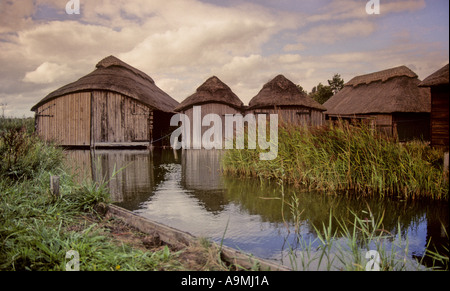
(345, 157)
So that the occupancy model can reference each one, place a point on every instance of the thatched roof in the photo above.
(282, 92)
(114, 75)
(440, 77)
(382, 76)
(213, 90)
(387, 91)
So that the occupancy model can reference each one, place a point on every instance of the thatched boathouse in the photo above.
(281, 96)
(389, 100)
(438, 82)
(116, 105)
(215, 97)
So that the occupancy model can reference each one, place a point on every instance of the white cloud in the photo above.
(66, 41)
(331, 33)
(46, 73)
(180, 43)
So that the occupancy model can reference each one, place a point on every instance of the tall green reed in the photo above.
(359, 244)
(344, 157)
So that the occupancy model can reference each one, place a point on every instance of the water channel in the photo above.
(186, 190)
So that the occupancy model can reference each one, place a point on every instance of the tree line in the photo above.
(321, 93)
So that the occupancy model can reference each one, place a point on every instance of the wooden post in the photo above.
(54, 185)
(394, 131)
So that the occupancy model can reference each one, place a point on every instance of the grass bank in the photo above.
(37, 229)
(344, 157)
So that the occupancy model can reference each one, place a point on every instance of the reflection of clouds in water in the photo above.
(189, 193)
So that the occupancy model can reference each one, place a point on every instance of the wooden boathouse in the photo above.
(389, 100)
(213, 96)
(281, 96)
(116, 105)
(438, 82)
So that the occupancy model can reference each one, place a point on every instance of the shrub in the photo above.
(23, 155)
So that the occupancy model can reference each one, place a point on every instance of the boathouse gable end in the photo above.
(115, 105)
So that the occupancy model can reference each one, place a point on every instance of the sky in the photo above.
(245, 43)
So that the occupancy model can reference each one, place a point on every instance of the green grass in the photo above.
(37, 228)
(347, 158)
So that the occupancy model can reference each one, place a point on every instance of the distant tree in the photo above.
(300, 88)
(336, 84)
(321, 93)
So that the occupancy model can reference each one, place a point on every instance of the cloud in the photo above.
(356, 9)
(331, 33)
(294, 47)
(198, 45)
(15, 15)
(180, 43)
(46, 73)
(59, 41)
(402, 5)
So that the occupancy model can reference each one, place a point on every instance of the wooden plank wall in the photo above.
(294, 115)
(216, 108)
(440, 117)
(65, 120)
(411, 126)
(384, 124)
(117, 119)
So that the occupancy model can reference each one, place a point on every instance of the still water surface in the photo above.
(186, 190)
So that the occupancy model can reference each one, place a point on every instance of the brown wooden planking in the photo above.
(180, 239)
(63, 119)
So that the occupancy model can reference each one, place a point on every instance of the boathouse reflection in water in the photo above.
(186, 190)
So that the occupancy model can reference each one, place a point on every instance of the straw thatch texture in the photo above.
(388, 91)
(114, 75)
(282, 92)
(212, 91)
(440, 77)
